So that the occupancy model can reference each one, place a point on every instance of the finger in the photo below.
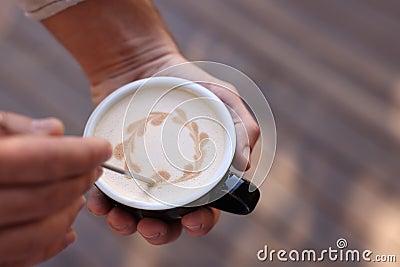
(200, 222)
(33, 160)
(158, 232)
(247, 133)
(11, 123)
(121, 222)
(58, 246)
(20, 242)
(55, 248)
(52, 250)
(35, 202)
(98, 204)
(247, 130)
(15, 264)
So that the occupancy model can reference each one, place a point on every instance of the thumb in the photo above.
(247, 129)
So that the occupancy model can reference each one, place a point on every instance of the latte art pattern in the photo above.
(138, 129)
(174, 136)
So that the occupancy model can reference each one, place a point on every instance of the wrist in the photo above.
(114, 41)
(149, 65)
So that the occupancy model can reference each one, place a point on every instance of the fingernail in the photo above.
(70, 237)
(120, 228)
(194, 227)
(43, 125)
(153, 236)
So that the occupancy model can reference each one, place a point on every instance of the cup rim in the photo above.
(130, 88)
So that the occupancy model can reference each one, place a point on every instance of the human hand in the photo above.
(42, 182)
(201, 221)
(129, 41)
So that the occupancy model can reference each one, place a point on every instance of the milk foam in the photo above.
(163, 146)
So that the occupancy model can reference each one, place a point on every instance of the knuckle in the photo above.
(254, 128)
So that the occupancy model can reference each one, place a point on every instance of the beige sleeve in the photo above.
(41, 9)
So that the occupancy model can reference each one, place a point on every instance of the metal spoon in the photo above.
(127, 173)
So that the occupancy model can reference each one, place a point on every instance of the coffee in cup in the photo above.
(175, 132)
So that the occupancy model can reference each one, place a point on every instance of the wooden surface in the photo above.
(330, 71)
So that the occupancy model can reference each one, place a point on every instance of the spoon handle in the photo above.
(127, 173)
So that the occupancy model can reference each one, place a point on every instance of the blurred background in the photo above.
(330, 71)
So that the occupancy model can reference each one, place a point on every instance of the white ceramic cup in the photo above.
(224, 190)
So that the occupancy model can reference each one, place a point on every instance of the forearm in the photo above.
(113, 41)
